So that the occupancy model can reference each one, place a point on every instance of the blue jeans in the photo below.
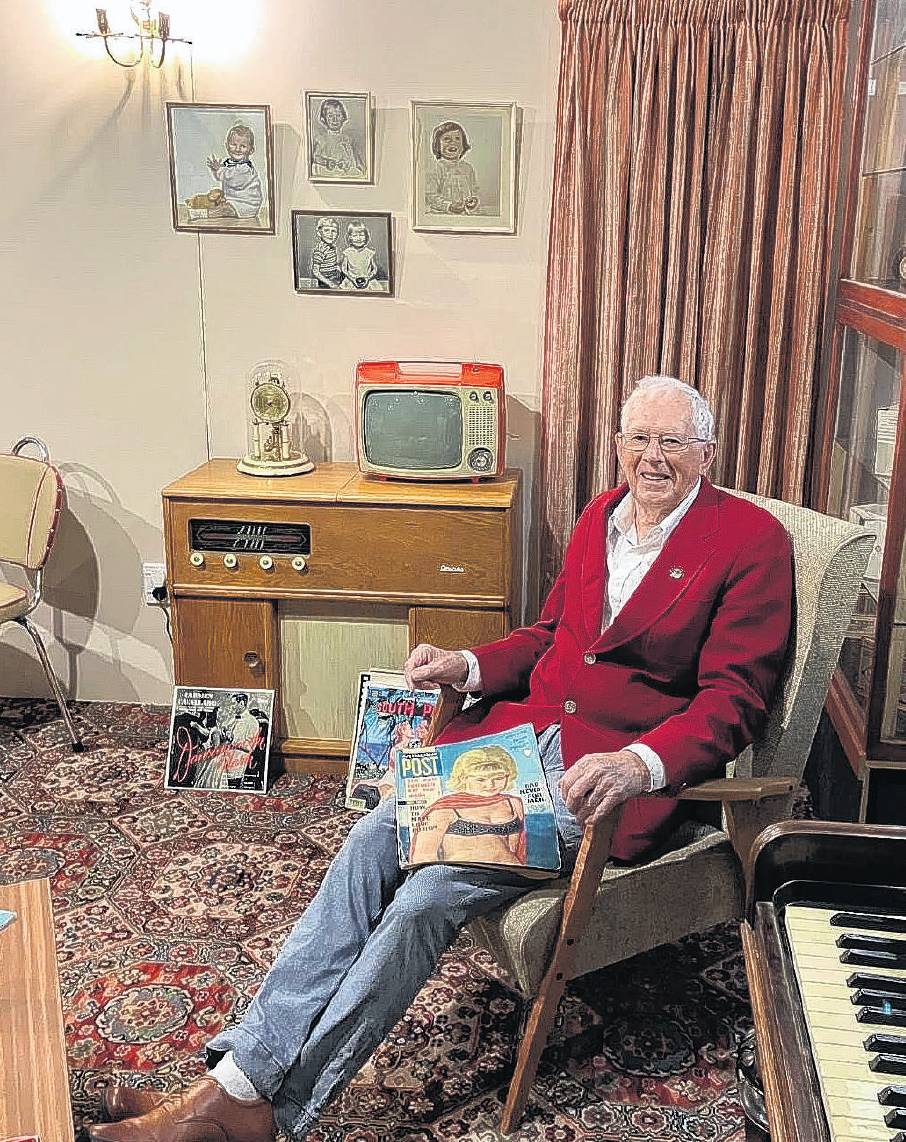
(358, 955)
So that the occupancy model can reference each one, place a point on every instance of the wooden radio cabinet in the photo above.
(299, 583)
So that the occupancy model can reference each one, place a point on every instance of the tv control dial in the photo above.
(481, 460)
(265, 563)
(299, 563)
(230, 561)
(196, 559)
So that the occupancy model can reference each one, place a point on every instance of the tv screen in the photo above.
(412, 429)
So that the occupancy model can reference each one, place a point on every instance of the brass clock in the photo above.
(270, 401)
(272, 427)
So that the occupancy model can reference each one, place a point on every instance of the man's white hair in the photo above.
(702, 416)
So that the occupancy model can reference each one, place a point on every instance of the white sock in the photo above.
(234, 1081)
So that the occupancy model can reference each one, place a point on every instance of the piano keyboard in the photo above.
(851, 971)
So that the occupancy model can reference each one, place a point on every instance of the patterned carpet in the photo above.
(170, 907)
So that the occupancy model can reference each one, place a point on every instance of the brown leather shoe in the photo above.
(204, 1112)
(119, 1101)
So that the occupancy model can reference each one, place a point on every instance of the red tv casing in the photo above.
(465, 378)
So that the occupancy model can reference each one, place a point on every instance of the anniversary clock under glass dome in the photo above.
(273, 425)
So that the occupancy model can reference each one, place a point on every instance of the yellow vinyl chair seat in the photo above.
(14, 601)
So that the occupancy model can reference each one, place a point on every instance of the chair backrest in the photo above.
(829, 560)
(31, 498)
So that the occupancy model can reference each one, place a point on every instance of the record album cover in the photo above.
(219, 739)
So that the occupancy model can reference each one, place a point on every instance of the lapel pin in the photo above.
(676, 572)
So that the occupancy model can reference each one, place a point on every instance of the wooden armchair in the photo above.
(604, 914)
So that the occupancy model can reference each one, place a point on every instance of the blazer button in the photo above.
(590, 659)
(569, 706)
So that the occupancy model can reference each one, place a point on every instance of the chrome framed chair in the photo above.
(31, 493)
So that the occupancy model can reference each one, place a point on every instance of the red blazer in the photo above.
(688, 667)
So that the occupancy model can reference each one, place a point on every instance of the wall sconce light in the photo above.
(152, 28)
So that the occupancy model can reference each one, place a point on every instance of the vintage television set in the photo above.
(430, 420)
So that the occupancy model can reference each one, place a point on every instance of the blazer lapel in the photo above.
(682, 556)
(593, 582)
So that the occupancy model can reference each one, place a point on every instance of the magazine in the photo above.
(389, 717)
(219, 739)
(483, 801)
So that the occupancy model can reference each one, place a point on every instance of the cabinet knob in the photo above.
(230, 560)
(196, 559)
(252, 659)
(299, 563)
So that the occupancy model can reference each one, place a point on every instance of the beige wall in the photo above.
(126, 345)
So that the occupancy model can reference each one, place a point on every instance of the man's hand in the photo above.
(599, 782)
(430, 666)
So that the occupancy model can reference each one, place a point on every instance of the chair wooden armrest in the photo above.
(449, 703)
(729, 789)
(750, 804)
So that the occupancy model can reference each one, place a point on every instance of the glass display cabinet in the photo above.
(862, 466)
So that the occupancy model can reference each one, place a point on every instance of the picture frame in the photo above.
(344, 252)
(339, 134)
(455, 194)
(216, 186)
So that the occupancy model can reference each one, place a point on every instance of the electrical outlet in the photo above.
(153, 575)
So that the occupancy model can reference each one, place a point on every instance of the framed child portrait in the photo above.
(464, 167)
(221, 167)
(340, 136)
(344, 252)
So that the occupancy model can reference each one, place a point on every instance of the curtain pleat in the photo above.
(692, 218)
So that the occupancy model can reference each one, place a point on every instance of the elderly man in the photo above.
(652, 665)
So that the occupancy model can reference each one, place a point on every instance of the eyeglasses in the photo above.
(639, 441)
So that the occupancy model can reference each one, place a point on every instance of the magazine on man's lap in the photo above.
(478, 802)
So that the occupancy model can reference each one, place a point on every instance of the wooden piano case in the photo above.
(813, 862)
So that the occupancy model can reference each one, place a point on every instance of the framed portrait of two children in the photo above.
(343, 252)
(221, 167)
(464, 167)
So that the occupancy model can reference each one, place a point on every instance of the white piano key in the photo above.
(848, 1130)
(827, 961)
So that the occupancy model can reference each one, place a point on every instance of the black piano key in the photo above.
(881, 1017)
(896, 1119)
(888, 1064)
(893, 1095)
(882, 982)
(866, 959)
(886, 1044)
(871, 920)
(872, 943)
(886, 999)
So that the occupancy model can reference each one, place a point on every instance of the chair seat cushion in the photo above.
(686, 889)
(13, 602)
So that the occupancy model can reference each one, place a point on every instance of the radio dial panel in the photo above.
(255, 537)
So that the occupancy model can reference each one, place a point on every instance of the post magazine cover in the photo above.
(390, 717)
(483, 801)
(219, 739)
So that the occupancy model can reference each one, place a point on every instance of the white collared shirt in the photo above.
(628, 561)
(629, 558)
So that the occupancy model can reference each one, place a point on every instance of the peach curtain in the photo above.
(691, 226)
